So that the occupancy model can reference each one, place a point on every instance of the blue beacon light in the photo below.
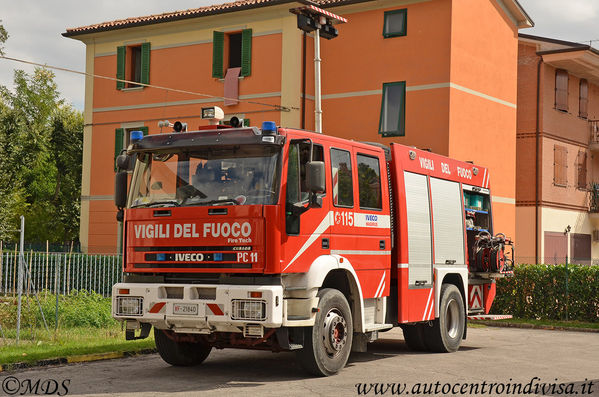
(269, 127)
(136, 136)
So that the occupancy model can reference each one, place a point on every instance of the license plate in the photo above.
(188, 309)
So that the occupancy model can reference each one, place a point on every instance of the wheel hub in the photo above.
(452, 318)
(335, 332)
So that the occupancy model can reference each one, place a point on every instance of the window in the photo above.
(297, 192)
(396, 23)
(133, 64)
(238, 47)
(369, 182)
(299, 155)
(560, 165)
(121, 139)
(582, 169)
(561, 90)
(343, 190)
(583, 99)
(393, 109)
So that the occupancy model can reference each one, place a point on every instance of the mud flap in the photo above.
(143, 333)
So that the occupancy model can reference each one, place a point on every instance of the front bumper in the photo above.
(198, 308)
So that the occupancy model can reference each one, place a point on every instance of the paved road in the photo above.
(489, 354)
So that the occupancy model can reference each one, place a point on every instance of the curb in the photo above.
(534, 326)
(75, 359)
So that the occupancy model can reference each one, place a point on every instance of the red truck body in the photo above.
(392, 230)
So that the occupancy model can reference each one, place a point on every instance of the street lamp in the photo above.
(319, 21)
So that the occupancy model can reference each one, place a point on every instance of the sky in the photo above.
(35, 27)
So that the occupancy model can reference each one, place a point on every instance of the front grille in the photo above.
(247, 309)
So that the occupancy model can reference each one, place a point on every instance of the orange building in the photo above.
(437, 74)
(558, 139)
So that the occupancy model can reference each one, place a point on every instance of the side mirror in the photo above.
(125, 162)
(315, 177)
(120, 189)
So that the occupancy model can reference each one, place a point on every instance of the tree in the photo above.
(40, 159)
(3, 37)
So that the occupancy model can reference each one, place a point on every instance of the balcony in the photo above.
(594, 142)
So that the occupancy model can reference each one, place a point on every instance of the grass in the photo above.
(67, 342)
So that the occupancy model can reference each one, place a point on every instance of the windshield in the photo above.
(236, 175)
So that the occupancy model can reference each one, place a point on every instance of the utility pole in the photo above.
(319, 21)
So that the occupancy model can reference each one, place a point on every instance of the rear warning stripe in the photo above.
(215, 309)
(157, 307)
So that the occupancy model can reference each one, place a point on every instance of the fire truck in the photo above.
(287, 240)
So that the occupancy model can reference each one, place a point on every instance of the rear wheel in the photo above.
(414, 337)
(446, 333)
(183, 354)
(328, 343)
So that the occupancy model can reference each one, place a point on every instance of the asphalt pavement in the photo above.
(492, 361)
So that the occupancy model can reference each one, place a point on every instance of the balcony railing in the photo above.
(594, 198)
(594, 127)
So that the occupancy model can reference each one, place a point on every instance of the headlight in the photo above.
(128, 306)
(245, 309)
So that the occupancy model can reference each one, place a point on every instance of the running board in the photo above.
(377, 327)
(490, 317)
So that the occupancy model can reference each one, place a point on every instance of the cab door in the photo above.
(307, 220)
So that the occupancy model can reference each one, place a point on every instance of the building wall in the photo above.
(483, 99)
(181, 58)
(560, 205)
(421, 59)
(460, 91)
(556, 220)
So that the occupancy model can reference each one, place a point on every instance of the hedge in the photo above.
(539, 292)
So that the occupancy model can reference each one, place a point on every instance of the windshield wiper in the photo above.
(212, 202)
(173, 203)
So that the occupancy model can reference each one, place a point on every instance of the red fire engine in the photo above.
(284, 239)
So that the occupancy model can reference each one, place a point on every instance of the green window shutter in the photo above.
(246, 122)
(144, 130)
(120, 66)
(218, 49)
(246, 52)
(145, 63)
(118, 143)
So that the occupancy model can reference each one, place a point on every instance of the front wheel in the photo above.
(180, 354)
(328, 343)
(446, 333)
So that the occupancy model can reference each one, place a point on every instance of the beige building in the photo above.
(557, 191)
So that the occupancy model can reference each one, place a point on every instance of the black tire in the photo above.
(414, 337)
(446, 333)
(327, 344)
(180, 354)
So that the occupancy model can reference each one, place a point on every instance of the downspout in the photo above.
(303, 125)
(537, 141)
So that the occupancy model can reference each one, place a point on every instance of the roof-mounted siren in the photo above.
(177, 126)
(213, 114)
